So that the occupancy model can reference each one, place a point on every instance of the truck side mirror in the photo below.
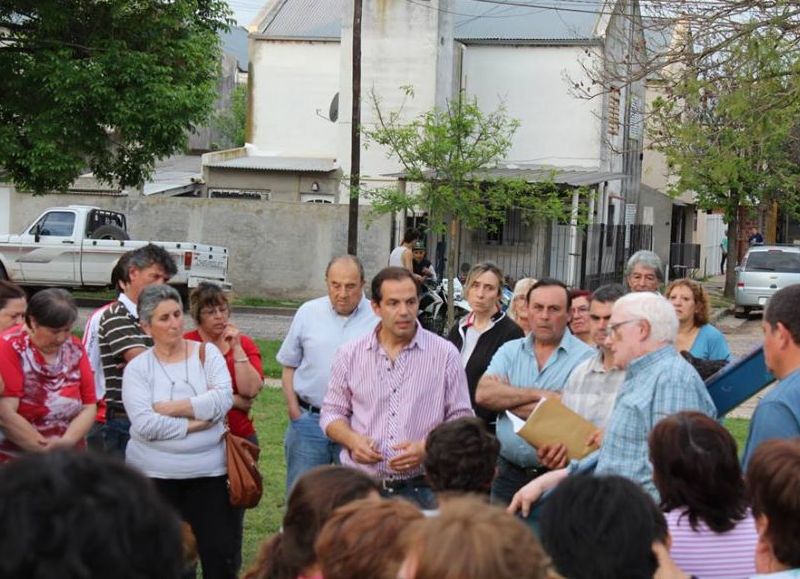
(37, 232)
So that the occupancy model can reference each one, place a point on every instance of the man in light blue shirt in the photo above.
(521, 373)
(318, 329)
(658, 383)
(778, 413)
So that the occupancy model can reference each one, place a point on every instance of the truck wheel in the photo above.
(3, 274)
(110, 232)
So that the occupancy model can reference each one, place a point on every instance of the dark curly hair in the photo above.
(76, 515)
(460, 456)
(695, 467)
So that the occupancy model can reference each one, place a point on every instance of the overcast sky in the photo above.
(245, 10)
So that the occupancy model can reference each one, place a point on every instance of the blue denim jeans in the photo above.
(110, 437)
(306, 446)
(422, 496)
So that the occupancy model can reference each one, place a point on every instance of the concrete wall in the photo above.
(281, 185)
(658, 206)
(276, 249)
(294, 80)
(555, 127)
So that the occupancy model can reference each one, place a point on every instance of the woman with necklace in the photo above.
(211, 312)
(176, 399)
(49, 399)
(695, 334)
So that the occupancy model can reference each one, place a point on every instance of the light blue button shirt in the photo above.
(656, 385)
(316, 333)
(516, 362)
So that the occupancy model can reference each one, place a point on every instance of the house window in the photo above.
(613, 111)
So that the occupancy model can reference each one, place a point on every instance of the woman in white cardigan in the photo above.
(177, 404)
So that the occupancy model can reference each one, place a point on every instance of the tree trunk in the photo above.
(733, 254)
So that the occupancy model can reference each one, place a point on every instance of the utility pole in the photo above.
(355, 133)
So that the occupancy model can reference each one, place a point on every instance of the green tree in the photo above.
(727, 131)
(231, 123)
(105, 85)
(446, 154)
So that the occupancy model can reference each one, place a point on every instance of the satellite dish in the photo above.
(333, 112)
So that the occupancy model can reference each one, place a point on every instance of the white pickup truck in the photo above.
(77, 247)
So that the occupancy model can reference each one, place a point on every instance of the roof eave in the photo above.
(532, 41)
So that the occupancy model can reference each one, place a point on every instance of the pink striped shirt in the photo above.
(706, 554)
(395, 402)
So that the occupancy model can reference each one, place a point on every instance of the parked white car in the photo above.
(764, 270)
(78, 246)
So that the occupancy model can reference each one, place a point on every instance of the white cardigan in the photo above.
(160, 446)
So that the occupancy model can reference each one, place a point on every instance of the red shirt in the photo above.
(238, 421)
(50, 395)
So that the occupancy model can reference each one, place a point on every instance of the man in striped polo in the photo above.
(121, 339)
(389, 389)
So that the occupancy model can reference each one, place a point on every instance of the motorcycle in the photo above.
(433, 305)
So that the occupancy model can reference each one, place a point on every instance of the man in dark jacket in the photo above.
(479, 334)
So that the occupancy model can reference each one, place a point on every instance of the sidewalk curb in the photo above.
(718, 313)
(84, 302)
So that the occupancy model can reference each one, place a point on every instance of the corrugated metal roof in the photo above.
(545, 20)
(575, 177)
(549, 20)
(273, 163)
(304, 19)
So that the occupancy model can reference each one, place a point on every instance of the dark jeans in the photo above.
(420, 494)
(722, 262)
(510, 478)
(203, 503)
(110, 437)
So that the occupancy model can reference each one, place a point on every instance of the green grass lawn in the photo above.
(269, 348)
(271, 420)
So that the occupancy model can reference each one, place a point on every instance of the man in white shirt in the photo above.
(319, 327)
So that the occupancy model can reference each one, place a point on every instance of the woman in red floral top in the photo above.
(49, 399)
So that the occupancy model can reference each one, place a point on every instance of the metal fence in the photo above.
(582, 257)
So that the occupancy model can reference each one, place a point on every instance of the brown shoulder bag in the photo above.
(245, 485)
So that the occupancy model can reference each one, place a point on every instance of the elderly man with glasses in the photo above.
(658, 382)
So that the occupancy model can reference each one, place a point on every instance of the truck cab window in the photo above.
(56, 224)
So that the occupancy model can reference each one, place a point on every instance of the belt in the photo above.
(309, 407)
(532, 471)
(394, 484)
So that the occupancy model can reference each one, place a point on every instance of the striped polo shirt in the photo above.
(118, 332)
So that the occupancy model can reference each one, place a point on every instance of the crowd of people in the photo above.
(401, 449)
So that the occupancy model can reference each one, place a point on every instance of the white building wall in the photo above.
(294, 84)
(403, 44)
(5, 210)
(556, 128)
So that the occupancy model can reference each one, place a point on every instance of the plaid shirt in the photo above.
(656, 385)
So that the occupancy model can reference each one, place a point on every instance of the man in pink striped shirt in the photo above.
(389, 389)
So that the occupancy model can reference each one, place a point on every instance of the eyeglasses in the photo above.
(215, 310)
(612, 328)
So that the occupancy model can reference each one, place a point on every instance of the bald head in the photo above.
(344, 277)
